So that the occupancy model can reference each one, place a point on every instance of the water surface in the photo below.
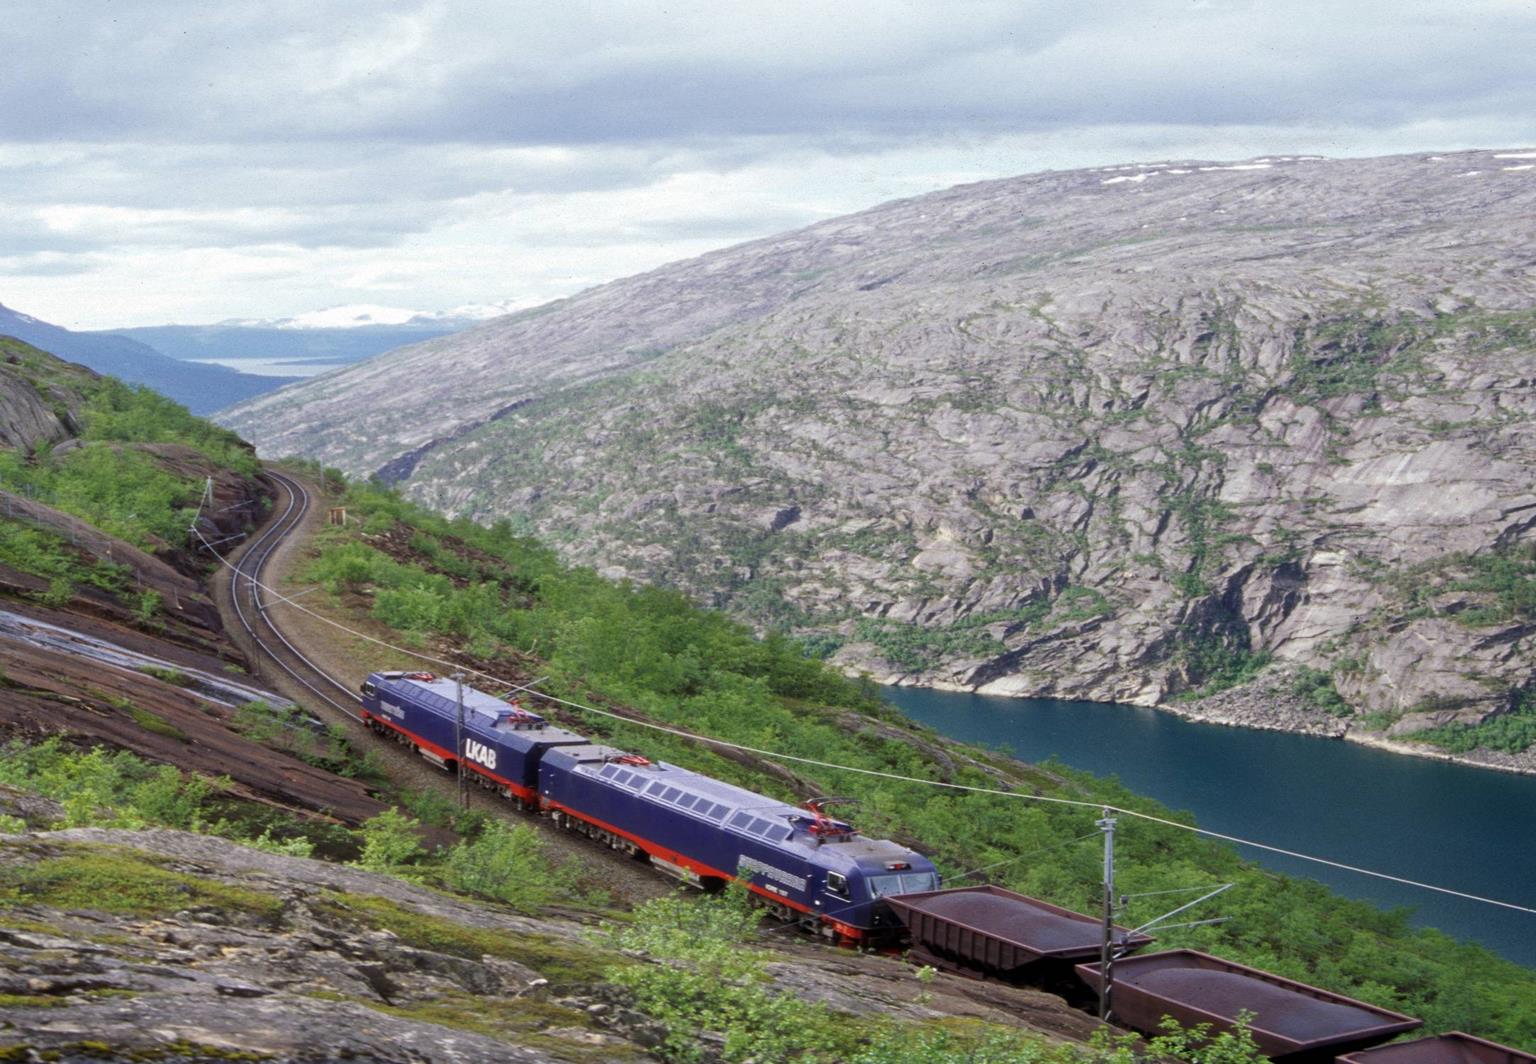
(1469, 829)
(274, 367)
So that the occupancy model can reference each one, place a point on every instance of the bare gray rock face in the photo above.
(1126, 434)
(26, 418)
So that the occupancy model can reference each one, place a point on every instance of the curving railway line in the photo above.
(250, 610)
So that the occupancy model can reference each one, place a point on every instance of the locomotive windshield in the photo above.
(902, 883)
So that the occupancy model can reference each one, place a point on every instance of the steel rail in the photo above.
(246, 577)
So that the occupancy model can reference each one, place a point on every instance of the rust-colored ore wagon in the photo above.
(989, 932)
(1453, 1048)
(1292, 1022)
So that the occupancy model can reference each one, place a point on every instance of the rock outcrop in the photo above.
(1127, 434)
(209, 950)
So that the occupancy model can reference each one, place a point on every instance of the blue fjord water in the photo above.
(1473, 830)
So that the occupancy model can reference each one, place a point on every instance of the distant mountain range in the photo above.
(1137, 434)
(364, 315)
(209, 367)
(275, 348)
(201, 388)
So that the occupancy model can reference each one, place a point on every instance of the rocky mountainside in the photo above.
(1140, 434)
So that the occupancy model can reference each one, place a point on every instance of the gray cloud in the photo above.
(527, 74)
(403, 135)
(45, 265)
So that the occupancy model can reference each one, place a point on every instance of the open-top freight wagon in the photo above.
(989, 932)
(1291, 1021)
(1453, 1048)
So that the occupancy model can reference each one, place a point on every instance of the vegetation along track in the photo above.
(311, 676)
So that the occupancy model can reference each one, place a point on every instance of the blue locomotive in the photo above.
(803, 864)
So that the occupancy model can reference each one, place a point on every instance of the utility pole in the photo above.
(458, 740)
(1107, 946)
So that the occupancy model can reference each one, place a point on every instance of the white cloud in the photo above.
(161, 162)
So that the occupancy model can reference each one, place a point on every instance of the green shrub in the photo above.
(293, 846)
(1216, 665)
(510, 864)
(1509, 733)
(1315, 687)
(391, 843)
(709, 980)
(99, 788)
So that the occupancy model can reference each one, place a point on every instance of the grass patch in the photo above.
(562, 963)
(153, 722)
(116, 880)
(521, 1023)
(174, 677)
(31, 1001)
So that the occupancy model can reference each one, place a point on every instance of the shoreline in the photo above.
(1340, 730)
(1317, 724)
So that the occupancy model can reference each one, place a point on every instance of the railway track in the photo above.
(251, 610)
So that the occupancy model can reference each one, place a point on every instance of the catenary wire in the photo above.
(896, 777)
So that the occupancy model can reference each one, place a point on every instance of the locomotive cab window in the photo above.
(370, 688)
(837, 883)
(903, 883)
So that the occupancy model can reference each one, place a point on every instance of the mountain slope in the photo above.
(107, 632)
(202, 389)
(1123, 434)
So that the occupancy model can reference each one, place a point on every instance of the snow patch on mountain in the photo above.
(362, 315)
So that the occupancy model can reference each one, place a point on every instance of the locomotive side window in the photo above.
(837, 883)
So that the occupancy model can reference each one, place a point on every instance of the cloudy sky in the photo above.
(191, 162)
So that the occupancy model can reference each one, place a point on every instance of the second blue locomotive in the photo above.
(803, 864)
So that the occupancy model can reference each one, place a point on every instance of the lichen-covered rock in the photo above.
(293, 959)
(307, 977)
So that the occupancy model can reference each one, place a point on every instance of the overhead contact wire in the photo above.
(877, 773)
